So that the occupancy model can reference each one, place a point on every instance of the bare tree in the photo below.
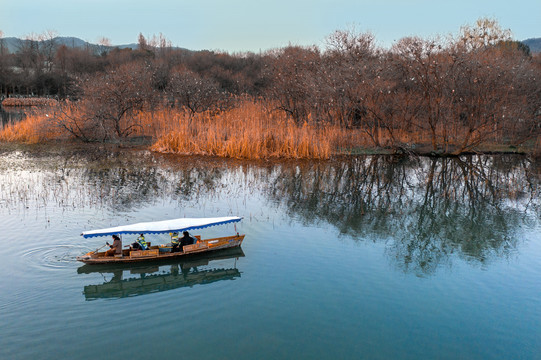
(358, 88)
(4, 72)
(433, 70)
(292, 71)
(142, 42)
(193, 92)
(47, 49)
(486, 32)
(494, 96)
(112, 97)
(104, 44)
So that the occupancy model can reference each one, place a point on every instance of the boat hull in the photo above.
(154, 252)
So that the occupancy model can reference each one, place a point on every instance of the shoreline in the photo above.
(61, 146)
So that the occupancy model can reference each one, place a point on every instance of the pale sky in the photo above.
(236, 25)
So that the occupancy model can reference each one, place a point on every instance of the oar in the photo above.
(93, 252)
(90, 253)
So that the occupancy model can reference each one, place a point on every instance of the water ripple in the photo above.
(53, 256)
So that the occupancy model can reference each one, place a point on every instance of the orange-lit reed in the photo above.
(38, 126)
(248, 131)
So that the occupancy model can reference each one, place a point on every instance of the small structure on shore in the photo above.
(29, 102)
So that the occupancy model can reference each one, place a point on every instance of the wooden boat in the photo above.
(163, 252)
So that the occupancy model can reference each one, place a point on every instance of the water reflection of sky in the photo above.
(381, 256)
(424, 209)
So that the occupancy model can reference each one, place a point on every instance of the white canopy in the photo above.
(157, 227)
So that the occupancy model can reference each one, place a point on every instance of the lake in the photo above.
(374, 257)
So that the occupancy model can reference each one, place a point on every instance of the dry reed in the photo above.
(38, 126)
(248, 131)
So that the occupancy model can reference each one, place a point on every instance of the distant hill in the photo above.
(13, 44)
(128, 46)
(534, 44)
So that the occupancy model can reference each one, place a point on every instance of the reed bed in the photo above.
(38, 126)
(248, 132)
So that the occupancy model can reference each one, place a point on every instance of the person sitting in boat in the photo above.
(116, 248)
(140, 243)
(174, 239)
(187, 239)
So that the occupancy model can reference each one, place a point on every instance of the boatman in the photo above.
(116, 248)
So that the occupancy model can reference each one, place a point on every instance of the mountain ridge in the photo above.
(13, 44)
(534, 44)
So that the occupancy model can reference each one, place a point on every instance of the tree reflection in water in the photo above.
(427, 210)
(120, 180)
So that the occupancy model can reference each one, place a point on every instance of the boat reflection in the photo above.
(155, 277)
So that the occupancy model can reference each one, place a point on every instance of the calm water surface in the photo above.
(369, 257)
